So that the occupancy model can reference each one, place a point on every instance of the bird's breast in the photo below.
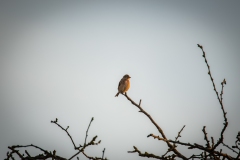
(127, 84)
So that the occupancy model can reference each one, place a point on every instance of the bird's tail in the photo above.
(117, 94)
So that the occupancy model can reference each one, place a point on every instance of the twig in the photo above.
(220, 140)
(87, 131)
(54, 154)
(16, 151)
(103, 153)
(93, 158)
(27, 153)
(75, 154)
(222, 83)
(229, 148)
(40, 156)
(205, 137)
(212, 141)
(179, 133)
(92, 142)
(65, 131)
(146, 154)
(157, 137)
(31, 145)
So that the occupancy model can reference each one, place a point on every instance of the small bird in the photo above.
(123, 85)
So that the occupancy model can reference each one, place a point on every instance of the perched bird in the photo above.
(123, 85)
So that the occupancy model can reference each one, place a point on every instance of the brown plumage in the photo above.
(123, 85)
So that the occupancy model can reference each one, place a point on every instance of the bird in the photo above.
(123, 85)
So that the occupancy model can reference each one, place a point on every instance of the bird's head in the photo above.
(126, 76)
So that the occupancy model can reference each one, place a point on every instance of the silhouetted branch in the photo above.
(87, 131)
(229, 148)
(103, 153)
(40, 156)
(157, 137)
(205, 137)
(53, 155)
(220, 140)
(158, 128)
(237, 144)
(179, 133)
(222, 83)
(65, 131)
(209, 151)
(93, 158)
(146, 154)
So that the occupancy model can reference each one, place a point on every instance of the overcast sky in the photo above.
(64, 59)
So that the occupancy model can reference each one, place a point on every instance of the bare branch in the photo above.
(179, 133)
(103, 153)
(92, 142)
(229, 148)
(220, 140)
(65, 131)
(146, 154)
(51, 155)
(205, 137)
(87, 131)
(157, 137)
(212, 141)
(93, 158)
(158, 128)
(40, 156)
(222, 83)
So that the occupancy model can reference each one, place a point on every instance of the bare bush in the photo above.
(48, 154)
(211, 150)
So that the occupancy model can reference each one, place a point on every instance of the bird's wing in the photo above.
(119, 83)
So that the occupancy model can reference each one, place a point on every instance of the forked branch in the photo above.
(208, 151)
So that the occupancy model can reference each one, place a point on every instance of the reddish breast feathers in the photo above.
(127, 84)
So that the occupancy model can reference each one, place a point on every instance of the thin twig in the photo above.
(146, 154)
(157, 137)
(65, 131)
(40, 156)
(87, 131)
(220, 140)
(205, 137)
(179, 133)
(103, 153)
(93, 158)
(212, 141)
(229, 148)
(222, 83)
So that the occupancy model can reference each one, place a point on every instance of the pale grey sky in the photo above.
(64, 59)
